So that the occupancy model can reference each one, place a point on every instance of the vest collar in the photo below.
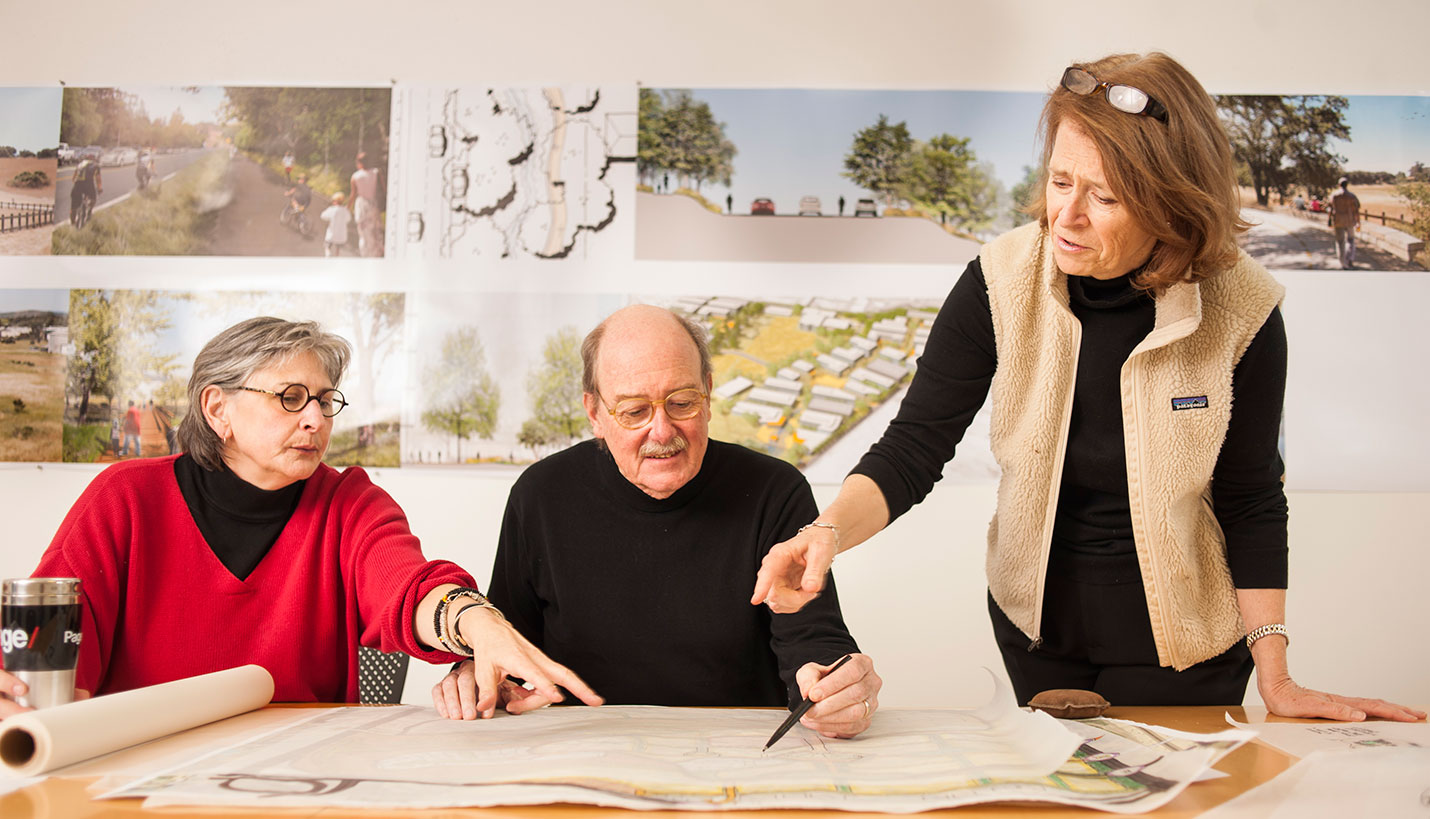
(1178, 309)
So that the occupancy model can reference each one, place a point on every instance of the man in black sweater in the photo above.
(628, 558)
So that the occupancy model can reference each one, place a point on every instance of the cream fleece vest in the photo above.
(1176, 402)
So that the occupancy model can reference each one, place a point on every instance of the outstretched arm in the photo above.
(1273, 680)
(500, 650)
(792, 573)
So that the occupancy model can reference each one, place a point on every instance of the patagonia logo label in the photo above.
(1190, 402)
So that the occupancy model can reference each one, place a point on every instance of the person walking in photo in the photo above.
(338, 219)
(1345, 221)
(288, 167)
(132, 425)
(365, 210)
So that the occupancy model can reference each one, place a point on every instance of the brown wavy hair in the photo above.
(1177, 179)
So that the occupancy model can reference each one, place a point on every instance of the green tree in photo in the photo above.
(114, 335)
(1283, 141)
(323, 126)
(80, 121)
(651, 154)
(462, 396)
(879, 158)
(944, 177)
(1417, 196)
(679, 134)
(1024, 193)
(554, 389)
(110, 117)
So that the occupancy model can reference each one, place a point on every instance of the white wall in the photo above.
(914, 595)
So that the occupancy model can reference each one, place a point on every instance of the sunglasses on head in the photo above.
(1124, 98)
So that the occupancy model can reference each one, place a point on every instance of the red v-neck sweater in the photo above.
(160, 606)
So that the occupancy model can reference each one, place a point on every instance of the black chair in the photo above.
(380, 676)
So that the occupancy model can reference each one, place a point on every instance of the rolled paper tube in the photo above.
(36, 742)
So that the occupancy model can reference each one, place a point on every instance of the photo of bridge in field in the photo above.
(29, 165)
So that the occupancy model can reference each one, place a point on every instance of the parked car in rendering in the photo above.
(119, 156)
(809, 206)
(865, 207)
(762, 207)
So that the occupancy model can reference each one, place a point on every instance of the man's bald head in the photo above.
(640, 321)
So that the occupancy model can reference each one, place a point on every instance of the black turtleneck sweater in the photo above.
(649, 600)
(1093, 519)
(239, 521)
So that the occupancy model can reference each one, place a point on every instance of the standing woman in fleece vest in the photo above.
(1136, 363)
(247, 548)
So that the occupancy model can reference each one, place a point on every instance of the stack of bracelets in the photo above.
(446, 622)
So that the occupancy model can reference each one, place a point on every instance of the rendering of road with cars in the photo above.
(117, 174)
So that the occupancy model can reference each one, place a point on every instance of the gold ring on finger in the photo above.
(866, 709)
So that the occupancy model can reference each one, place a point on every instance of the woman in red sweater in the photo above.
(248, 549)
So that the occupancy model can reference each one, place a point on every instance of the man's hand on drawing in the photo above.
(844, 701)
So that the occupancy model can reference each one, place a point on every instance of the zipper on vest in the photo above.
(1037, 642)
(1056, 481)
(1138, 416)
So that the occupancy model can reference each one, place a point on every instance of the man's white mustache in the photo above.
(674, 446)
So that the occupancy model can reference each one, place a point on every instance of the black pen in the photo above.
(802, 709)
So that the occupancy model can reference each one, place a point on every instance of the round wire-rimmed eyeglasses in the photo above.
(295, 397)
(634, 413)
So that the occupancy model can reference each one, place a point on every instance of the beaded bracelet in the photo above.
(437, 624)
(443, 624)
(1262, 631)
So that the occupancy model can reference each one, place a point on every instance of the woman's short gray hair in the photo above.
(237, 353)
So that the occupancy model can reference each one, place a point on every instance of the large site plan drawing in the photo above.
(815, 380)
(698, 759)
(498, 173)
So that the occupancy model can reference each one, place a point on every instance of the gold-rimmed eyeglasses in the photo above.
(1124, 98)
(295, 397)
(634, 413)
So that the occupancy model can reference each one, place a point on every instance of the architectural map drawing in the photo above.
(815, 380)
(499, 173)
(697, 759)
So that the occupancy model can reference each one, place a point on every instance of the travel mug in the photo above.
(39, 633)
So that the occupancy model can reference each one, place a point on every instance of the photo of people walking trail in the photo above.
(1332, 182)
(222, 171)
(131, 352)
(29, 133)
